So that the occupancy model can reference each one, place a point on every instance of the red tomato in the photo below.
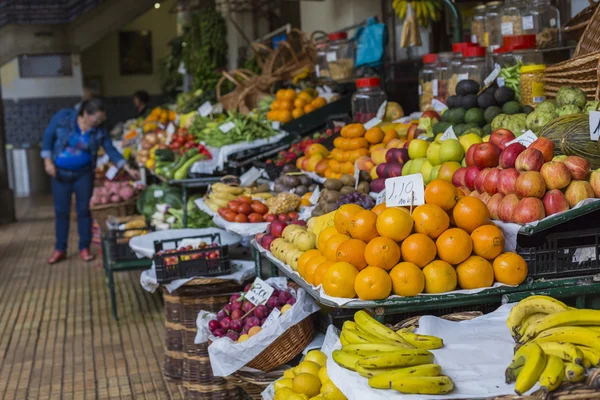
(259, 208)
(229, 215)
(269, 217)
(283, 217)
(233, 205)
(254, 217)
(189, 137)
(244, 199)
(221, 210)
(293, 215)
(175, 145)
(244, 208)
(241, 218)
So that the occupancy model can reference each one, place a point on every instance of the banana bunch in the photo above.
(391, 360)
(425, 10)
(557, 343)
(221, 194)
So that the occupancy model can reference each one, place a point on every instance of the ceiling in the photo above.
(43, 11)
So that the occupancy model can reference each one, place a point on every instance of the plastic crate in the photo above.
(119, 244)
(180, 264)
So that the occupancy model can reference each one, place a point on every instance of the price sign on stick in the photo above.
(448, 134)
(111, 173)
(227, 126)
(260, 292)
(205, 109)
(525, 139)
(271, 318)
(595, 125)
(380, 197)
(405, 191)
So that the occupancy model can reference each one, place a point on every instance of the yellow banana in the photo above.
(403, 358)
(424, 385)
(210, 204)
(262, 195)
(349, 325)
(371, 326)
(355, 336)
(384, 381)
(570, 318)
(564, 351)
(535, 361)
(370, 349)
(528, 320)
(571, 334)
(371, 372)
(532, 305)
(343, 339)
(345, 360)
(574, 372)
(221, 187)
(218, 201)
(591, 357)
(421, 341)
(552, 375)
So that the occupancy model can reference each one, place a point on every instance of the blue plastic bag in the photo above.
(371, 41)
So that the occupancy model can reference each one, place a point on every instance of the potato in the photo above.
(333, 184)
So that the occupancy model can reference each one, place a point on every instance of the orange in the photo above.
(286, 105)
(324, 236)
(318, 102)
(394, 223)
(302, 260)
(440, 277)
(305, 96)
(362, 226)
(407, 279)
(320, 272)
(382, 253)
(280, 94)
(344, 215)
(379, 208)
(308, 109)
(311, 267)
(275, 105)
(475, 272)
(470, 213)
(430, 220)
(272, 115)
(441, 193)
(331, 246)
(353, 131)
(335, 166)
(347, 167)
(454, 246)
(488, 241)
(353, 251)
(289, 94)
(339, 279)
(285, 116)
(510, 269)
(336, 153)
(389, 135)
(297, 113)
(374, 135)
(358, 143)
(373, 284)
(300, 103)
(418, 249)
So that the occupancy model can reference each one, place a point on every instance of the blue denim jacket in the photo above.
(62, 125)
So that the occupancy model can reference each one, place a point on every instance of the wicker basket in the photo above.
(575, 27)
(123, 209)
(581, 72)
(590, 39)
(254, 383)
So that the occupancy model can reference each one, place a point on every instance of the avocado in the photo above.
(458, 115)
(466, 87)
(527, 109)
(487, 129)
(512, 107)
(503, 95)
(446, 115)
(460, 128)
(440, 127)
(475, 116)
(469, 101)
(491, 113)
(486, 100)
(476, 130)
(453, 101)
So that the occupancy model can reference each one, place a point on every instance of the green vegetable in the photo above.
(164, 155)
(568, 110)
(195, 218)
(149, 198)
(538, 119)
(512, 77)
(591, 106)
(516, 123)
(170, 173)
(245, 129)
(547, 105)
(183, 171)
(568, 96)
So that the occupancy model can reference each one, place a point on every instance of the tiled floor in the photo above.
(57, 337)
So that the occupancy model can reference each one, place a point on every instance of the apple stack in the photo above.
(522, 184)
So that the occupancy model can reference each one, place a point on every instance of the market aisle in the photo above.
(57, 337)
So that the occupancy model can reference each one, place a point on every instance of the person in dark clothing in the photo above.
(140, 101)
(70, 146)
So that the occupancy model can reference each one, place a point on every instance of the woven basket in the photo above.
(123, 209)
(254, 383)
(581, 72)
(590, 39)
(575, 27)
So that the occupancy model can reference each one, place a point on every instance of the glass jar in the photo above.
(321, 65)
(427, 81)
(492, 37)
(478, 26)
(532, 84)
(455, 63)
(512, 17)
(442, 76)
(340, 56)
(546, 22)
(367, 99)
(474, 66)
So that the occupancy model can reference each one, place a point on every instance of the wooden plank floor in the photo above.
(57, 337)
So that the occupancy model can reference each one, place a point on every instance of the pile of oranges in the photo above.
(288, 106)
(447, 243)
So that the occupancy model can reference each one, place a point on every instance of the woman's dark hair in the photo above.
(91, 106)
(142, 95)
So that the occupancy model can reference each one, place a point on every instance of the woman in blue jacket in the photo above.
(70, 148)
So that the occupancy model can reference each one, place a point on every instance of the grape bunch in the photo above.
(363, 200)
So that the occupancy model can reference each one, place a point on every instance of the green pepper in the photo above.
(183, 171)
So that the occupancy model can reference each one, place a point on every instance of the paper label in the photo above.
(525, 139)
(528, 22)
(331, 56)
(381, 110)
(463, 77)
(492, 77)
(372, 123)
(217, 108)
(205, 109)
(317, 71)
(158, 193)
(420, 90)
(250, 176)
(449, 134)
(260, 292)
(434, 87)
(181, 69)
(500, 81)
(226, 127)
(356, 175)
(314, 197)
(275, 124)
(405, 191)
(161, 125)
(380, 198)
(553, 22)
(275, 314)
(507, 28)
(473, 38)
(111, 173)
(170, 132)
(594, 125)
(438, 106)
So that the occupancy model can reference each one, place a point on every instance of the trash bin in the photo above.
(26, 173)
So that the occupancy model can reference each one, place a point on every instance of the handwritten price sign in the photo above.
(260, 292)
(525, 139)
(405, 191)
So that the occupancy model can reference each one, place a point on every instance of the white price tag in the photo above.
(314, 197)
(449, 134)
(463, 77)
(438, 106)
(161, 125)
(553, 22)
(473, 38)
(405, 191)
(170, 132)
(177, 120)
(500, 81)
(271, 318)
(226, 127)
(420, 90)
(205, 109)
(372, 123)
(525, 139)
(275, 124)
(492, 77)
(380, 198)
(250, 176)
(434, 87)
(356, 175)
(102, 160)
(260, 292)
(507, 28)
(331, 56)
(381, 110)
(595, 125)
(158, 193)
(111, 173)
(217, 108)
(181, 69)
(528, 22)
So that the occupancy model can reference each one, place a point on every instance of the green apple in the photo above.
(426, 169)
(438, 137)
(486, 138)
(433, 153)
(406, 167)
(451, 150)
(560, 158)
(416, 166)
(469, 140)
(418, 148)
(435, 171)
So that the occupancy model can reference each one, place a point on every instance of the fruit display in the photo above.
(298, 149)
(283, 203)
(220, 194)
(557, 343)
(293, 181)
(244, 128)
(112, 193)
(287, 241)
(205, 254)
(391, 360)
(315, 159)
(289, 105)
(308, 380)
(244, 209)
(341, 191)
(426, 10)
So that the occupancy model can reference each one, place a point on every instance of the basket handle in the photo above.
(229, 78)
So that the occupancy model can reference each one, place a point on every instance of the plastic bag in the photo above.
(371, 41)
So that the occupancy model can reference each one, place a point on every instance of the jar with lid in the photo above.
(545, 19)
(455, 63)
(367, 99)
(532, 84)
(474, 66)
(442, 76)
(512, 17)
(321, 65)
(517, 48)
(340, 56)
(478, 26)
(492, 37)
(427, 80)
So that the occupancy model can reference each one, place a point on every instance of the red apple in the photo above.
(411, 133)
(509, 155)
(556, 175)
(392, 170)
(530, 184)
(578, 166)
(578, 191)
(469, 156)
(486, 155)
(555, 202)
(507, 180)
(528, 210)
(458, 179)
(431, 114)
(507, 206)
(491, 181)
(545, 146)
(493, 205)
(595, 181)
(500, 135)
(470, 177)
(485, 197)
(481, 179)
(380, 170)
(474, 193)
(395, 155)
(277, 228)
(504, 142)
(530, 160)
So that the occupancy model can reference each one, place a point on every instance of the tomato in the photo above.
(189, 145)
(233, 205)
(254, 217)
(175, 145)
(189, 137)
(293, 215)
(259, 208)
(269, 217)
(221, 210)
(241, 218)
(283, 217)
(244, 208)
(244, 199)
(229, 215)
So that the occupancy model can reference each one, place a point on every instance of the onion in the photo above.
(103, 200)
(126, 192)
(94, 201)
(107, 184)
(115, 198)
(151, 138)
